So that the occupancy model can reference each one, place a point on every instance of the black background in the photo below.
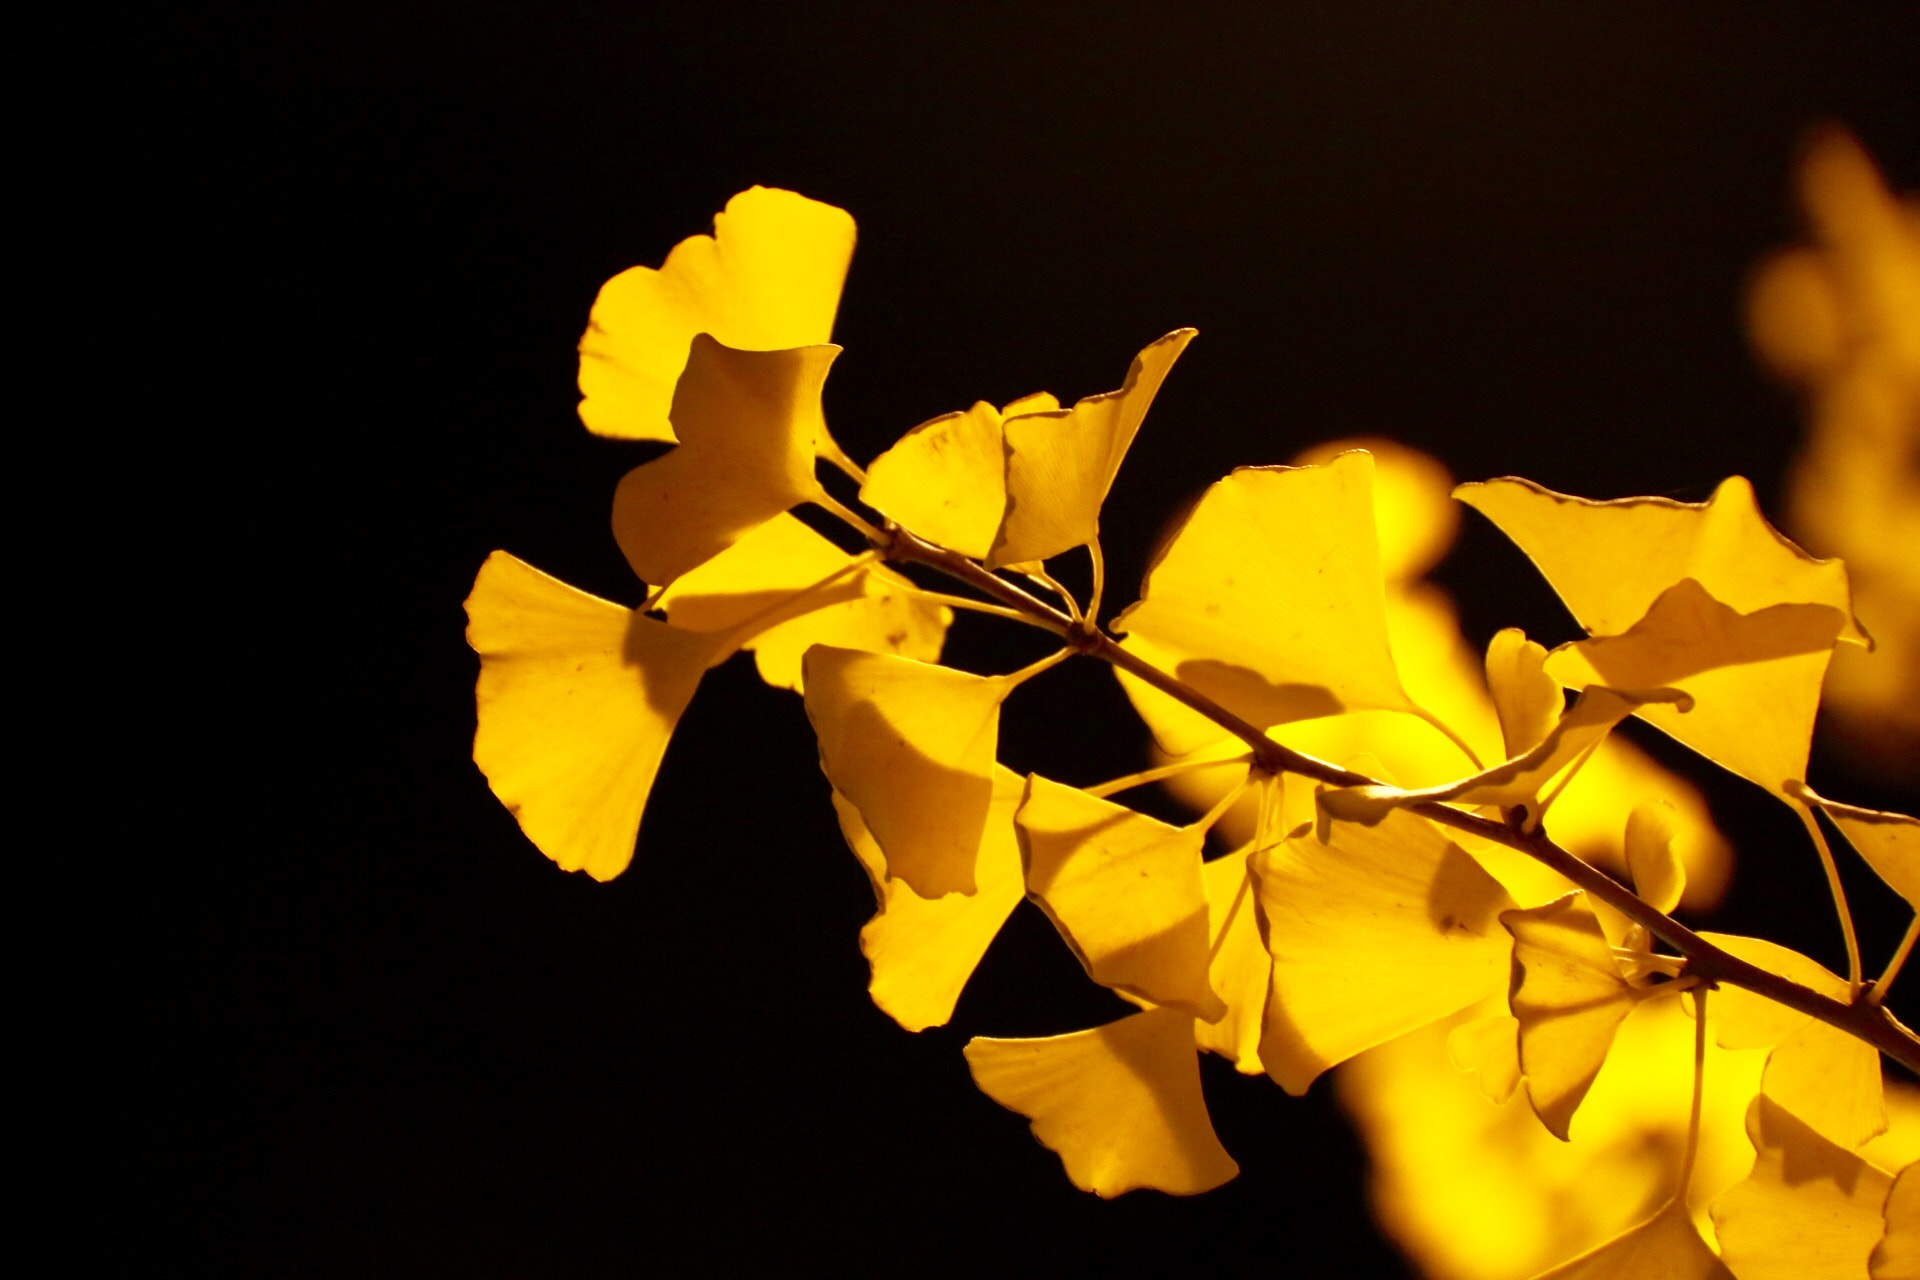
(352, 1023)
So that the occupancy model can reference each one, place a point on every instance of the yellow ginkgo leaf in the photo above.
(1413, 504)
(1489, 1047)
(911, 746)
(1754, 677)
(1386, 929)
(1061, 463)
(1666, 1246)
(753, 586)
(1897, 1256)
(946, 480)
(1125, 891)
(1527, 699)
(1518, 781)
(1658, 876)
(748, 423)
(1269, 599)
(1827, 1078)
(577, 698)
(768, 279)
(1241, 970)
(1609, 561)
(1890, 843)
(922, 951)
(1120, 1104)
(1570, 998)
(1808, 1209)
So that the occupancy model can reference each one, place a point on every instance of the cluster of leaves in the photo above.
(1350, 910)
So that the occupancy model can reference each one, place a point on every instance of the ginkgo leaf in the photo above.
(1897, 1256)
(1386, 929)
(752, 585)
(1754, 677)
(768, 279)
(922, 951)
(748, 422)
(1570, 998)
(1827, 1078)
(1061, 463)
(1527, 700)
(1666, 1246)
(577, 698)
(1120, 1104)
(1517, 781)
(946, 480)
(1489, 1047)
(1890, 842)
(1269, 599)
(1124, 890)
(1413, 507)
(1658, 876)
(1241, 970)
(911, 745)
(1609, 561)
(1809, 1208)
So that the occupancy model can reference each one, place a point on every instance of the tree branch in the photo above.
(1863, 1018)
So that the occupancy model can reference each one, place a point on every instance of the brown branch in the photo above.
(1862, 1018)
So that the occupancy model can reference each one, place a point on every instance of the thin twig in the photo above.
(1856, 974)
(1862, 1019)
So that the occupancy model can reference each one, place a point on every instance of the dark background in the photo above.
(351, 1022)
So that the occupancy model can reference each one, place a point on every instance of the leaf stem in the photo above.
(1699, 1087)
(1862, 1019)
(1878, 991)
(1855, 974)
(1099, 580)
(1128, 782)
(861, 525)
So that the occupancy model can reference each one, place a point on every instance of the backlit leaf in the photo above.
(1381, 931)
(911, 746)
(1269, 599)
(577, 698)
(1609, 561)
(1827, 1078)
(768, 279)
(749, 422)
(1754, 677)
(1528, 700)
(1570, 998)
(922, 951)
(1897, 1256)
(752, 584)
(1809, 1209)
(1658, 876)
(1061, 463)
(1125, 892)
(1664, 1247)
(1120, 1104)
(1241, 970)
(946, 480)
(1489, 1047)
(1890, 843)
